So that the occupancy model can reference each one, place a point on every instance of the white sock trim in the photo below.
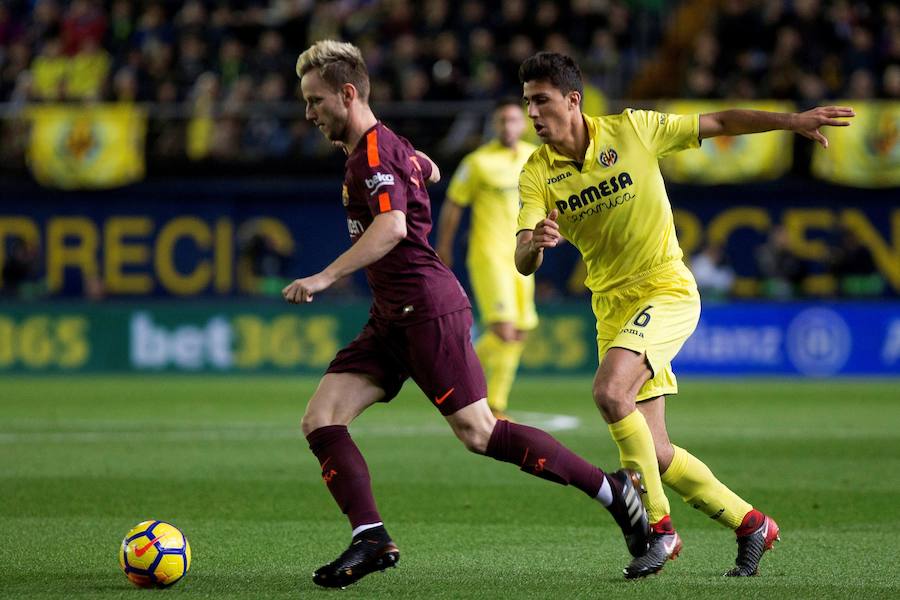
(604, 496)
(368, 526)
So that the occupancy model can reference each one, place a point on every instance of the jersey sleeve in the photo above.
(665, 133)
(462, 183)
(384, 180)
(532, 207)
(422, 165)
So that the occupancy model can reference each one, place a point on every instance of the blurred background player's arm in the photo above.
(739, 122)
(448, 224)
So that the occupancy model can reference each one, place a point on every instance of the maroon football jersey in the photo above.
(410, 283)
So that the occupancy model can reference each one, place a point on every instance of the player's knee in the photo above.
(614, 401)
(474, 436)
(505, 331)
(313, 420)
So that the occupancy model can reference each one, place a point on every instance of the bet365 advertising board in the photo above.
(737, 339)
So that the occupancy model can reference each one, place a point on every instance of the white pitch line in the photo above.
(546, 421)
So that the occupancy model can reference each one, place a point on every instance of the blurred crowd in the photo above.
(225, 68)
(802, 50)
(220, 73)
(429, 50)
(244, 50)
(848, 270)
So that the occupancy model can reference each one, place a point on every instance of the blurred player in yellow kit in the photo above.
(596, 182)
(487, 180)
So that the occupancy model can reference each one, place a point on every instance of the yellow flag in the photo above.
(865, 154)
(727, 159)
(96, 146)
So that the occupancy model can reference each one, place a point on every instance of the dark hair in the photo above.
(507, 101)
(560, 70)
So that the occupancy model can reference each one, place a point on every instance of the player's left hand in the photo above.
(807, 123)
(302, 290)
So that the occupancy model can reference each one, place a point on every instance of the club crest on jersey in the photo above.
(345, 195)
(379, 180)
(608, 157)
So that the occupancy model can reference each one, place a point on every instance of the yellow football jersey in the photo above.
(614, 206)
(487, 180)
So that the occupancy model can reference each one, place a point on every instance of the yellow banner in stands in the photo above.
(726, 159)
(93, 147)
(865, 154)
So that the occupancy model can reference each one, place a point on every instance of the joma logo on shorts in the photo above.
(593, 193)
(633, 332)
(560, 177)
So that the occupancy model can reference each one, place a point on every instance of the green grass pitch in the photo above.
(84, 459)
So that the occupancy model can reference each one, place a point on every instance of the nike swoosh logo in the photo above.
(440, 400)
(139, 552)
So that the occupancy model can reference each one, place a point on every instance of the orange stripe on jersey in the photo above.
(372, 148)
(384, 202)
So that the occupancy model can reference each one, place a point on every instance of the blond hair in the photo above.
(337, 63)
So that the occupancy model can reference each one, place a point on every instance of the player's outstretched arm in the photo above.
(435, 172)
(530, 244)
(448, 224)
(385, 232)
(807, 124)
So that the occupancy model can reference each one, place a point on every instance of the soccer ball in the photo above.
(155, 554)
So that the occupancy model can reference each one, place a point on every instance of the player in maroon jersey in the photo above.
(418, 327)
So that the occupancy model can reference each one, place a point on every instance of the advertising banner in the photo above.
(818, 340)
(87, 147)
(866, 154)
(730, 159)
(183, 239)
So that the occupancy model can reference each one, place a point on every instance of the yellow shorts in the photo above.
(503, 295)
(654, 316)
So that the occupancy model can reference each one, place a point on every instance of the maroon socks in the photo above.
(345, 473)
(540, 454)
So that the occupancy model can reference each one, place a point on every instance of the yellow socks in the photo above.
(696, 484)
(500, 361)
(637, 452)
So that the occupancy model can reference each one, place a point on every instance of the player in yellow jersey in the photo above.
(487, 180)
(596, 182)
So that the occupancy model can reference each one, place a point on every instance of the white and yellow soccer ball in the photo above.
(155, 554)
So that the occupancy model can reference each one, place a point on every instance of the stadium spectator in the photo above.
(715, 278)
(781, 269)
(11, 28)
(261, 265)
(853, 266)
(19, 270)
(83, 24)
(265, 134)
(87, 71)
(49, 72)
(13, 63)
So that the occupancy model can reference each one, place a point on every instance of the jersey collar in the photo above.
(589, 155)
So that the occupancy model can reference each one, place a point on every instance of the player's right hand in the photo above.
(546, 232)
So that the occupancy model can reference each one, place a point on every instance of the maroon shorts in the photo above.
(437, 354)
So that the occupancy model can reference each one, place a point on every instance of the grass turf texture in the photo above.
(84, 459)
